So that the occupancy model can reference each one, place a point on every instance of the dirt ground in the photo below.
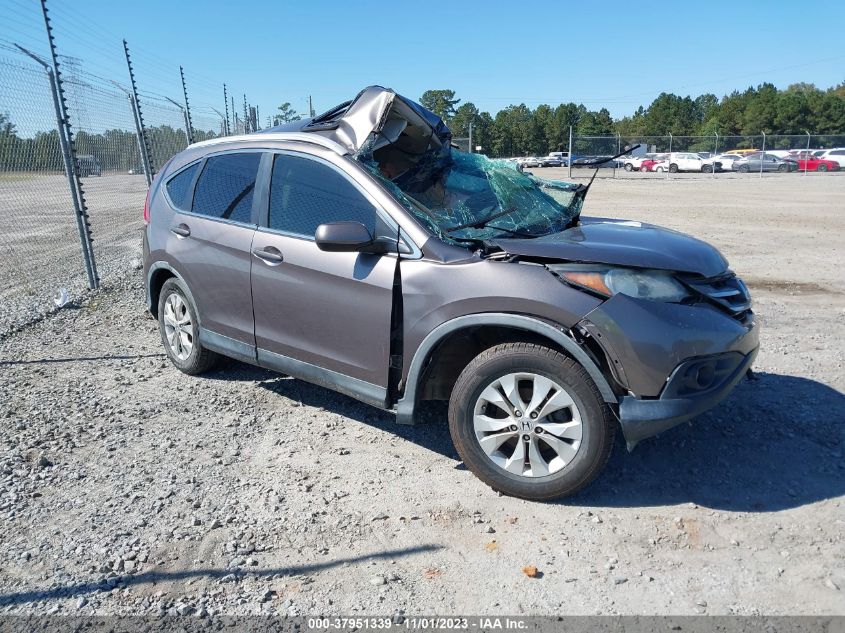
(126, 487)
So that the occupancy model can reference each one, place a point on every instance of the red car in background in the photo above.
(810, 162)
(649, 163)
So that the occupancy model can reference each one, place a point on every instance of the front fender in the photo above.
(406, 406)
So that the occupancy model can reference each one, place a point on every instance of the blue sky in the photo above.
(617, 55)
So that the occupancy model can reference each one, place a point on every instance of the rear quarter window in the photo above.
(226, 185)
(179, 187)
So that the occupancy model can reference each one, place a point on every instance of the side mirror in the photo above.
(349, 237)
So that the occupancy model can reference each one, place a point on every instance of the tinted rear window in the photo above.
(226, 186)
(179, 187)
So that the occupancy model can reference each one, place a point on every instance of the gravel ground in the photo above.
(128, 488)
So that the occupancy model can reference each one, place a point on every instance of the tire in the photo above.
(536, 470)
(706, 169)
(181, 341)
(743, 169)
(821, 168)
(659, 169)
(673, 168)
(629, 167)
(783, 168)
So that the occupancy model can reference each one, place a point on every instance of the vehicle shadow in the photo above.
(153, 577)
(777, 442)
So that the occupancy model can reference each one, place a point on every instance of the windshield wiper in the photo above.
(479, 224)
(511, 231)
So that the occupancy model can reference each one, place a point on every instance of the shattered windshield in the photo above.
(474, 198)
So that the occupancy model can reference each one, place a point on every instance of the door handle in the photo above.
(182, 230)
(270, 255)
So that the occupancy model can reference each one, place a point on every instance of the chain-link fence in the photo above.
(694, 156)
(78, 148)
(39, 242)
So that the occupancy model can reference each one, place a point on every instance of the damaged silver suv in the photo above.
(359, 251)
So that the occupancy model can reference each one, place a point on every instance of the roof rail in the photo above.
(303, 137)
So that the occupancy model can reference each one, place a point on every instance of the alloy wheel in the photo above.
(527, 424)
(178, 327)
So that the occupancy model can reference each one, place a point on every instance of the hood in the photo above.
(622, 243)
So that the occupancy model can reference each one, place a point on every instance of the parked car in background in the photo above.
(807, 161)
(687, 161)
(88, 165)
(296, 250)
(727, 160)
(837, 154)
(632, 163)
(590, 161)
(652, 161)
(551, 161)
(563, 156)
(764, 162)
(530, 161)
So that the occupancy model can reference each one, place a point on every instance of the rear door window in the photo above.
(305, 193)
(226, 186)
(179, 187)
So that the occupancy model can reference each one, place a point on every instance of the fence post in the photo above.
(668, 173)
(226, 107)
(185, 118)
(187, 112)
(68, 148)
(569, 162)
(762, 154)
(715, 153)
(807, 155)
(618, 151)
(146, 158)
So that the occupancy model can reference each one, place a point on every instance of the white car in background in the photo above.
(726, 161)
(688, 161)
(631, 163)
(837, 154)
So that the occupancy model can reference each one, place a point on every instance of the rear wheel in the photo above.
(629, 167)
(783, 168)
(659, 168)
(821, 168)
(673, 168)
(706, 169)
(179, 328)
(742, 169)
(529, 422)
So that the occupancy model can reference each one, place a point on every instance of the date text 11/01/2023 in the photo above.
(421, 623)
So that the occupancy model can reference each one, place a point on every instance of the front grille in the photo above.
(728, 291)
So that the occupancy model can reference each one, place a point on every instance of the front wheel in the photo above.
(706, 169)
(821, 168)
(629, 167)
(673, 168)
(529, 422)
(743, 169)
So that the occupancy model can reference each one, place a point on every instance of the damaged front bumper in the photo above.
(675, 361)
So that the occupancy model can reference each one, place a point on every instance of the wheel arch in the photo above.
(158, 273)
(520, 325)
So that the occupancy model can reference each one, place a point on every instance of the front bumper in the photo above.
(641, 419)
(675, 361)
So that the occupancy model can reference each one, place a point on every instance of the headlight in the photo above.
(655, 285)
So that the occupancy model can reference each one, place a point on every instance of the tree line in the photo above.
(517, 130)
(115, 150)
